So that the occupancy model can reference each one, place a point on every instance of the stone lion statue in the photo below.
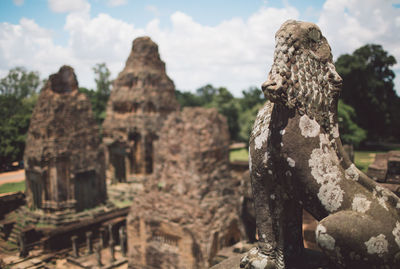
(297, 161)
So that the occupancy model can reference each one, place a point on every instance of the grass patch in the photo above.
(121, 204)
(12, 187)
(239, 155)
(362, 159)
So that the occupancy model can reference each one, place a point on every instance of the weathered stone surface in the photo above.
(64, 163)
(393, 167)
(190, 208)
(142, 97)
(297, 161)
(386, 167)
(193, 150)
(378, 169)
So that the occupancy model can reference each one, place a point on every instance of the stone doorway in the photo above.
(117, 160)
(84, 186)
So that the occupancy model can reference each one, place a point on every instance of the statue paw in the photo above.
(255, 259)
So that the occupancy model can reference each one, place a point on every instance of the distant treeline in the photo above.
(368, 109)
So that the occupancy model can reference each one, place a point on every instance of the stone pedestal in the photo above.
(89, 242)
(75, 251)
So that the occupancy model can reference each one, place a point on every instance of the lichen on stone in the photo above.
(331, 196)
(351, 173)
(377, 245)
(323, 238)
(291, 162)
(309, 127)
(396, 233)
(360, 203)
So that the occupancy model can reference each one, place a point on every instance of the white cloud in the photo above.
(29, 45)
(236, 53)
(153, 9)
(349, 25)
(18, 2)
(62, 6)
(115, 3)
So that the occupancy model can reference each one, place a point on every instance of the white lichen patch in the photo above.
(381, 194)
(396, 233)
(324, 166)
(335, 131)
(261, 138)
(324, 240)
(331, 196)
(377, 245)
(332, 177)
(308, 127)
(351, 173)
(291, 162)
(253, 251)
(260, 263)
(250, 163)
(266, 157)
(323, 139)
(360, 203)
(261, 126)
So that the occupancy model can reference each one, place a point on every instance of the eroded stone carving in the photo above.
(64, 160)
(297, 161)
(190, 209)
(142, 97)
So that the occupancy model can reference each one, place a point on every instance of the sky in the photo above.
(219, 42)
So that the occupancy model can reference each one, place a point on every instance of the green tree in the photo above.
(206, 94)
(18, 95)
(15, 115)
(350, 132)
(246, 121)
(20, 83)
(368, 87)
(252, 100)
(102, 79)
(99, 97)
(251, 97)
(188, 99)
(228, 106)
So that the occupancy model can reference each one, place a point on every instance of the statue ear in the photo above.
(314, 35)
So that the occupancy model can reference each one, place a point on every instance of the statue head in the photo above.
(302, 75)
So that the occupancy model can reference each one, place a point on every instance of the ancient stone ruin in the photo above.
(190, 207)
(142, 97)
(64, 163)
(386, 167)
(297, 161)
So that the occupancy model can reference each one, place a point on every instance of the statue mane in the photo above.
(303, 75)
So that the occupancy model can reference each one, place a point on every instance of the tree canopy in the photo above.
(18, 95)
(240, 112)
(20, 83)
(369, 88)
(100, 95)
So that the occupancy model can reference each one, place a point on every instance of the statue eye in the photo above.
(314, 35)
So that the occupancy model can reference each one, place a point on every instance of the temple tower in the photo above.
(142, 97)
(64, 161)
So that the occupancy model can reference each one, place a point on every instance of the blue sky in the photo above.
(225, 43)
